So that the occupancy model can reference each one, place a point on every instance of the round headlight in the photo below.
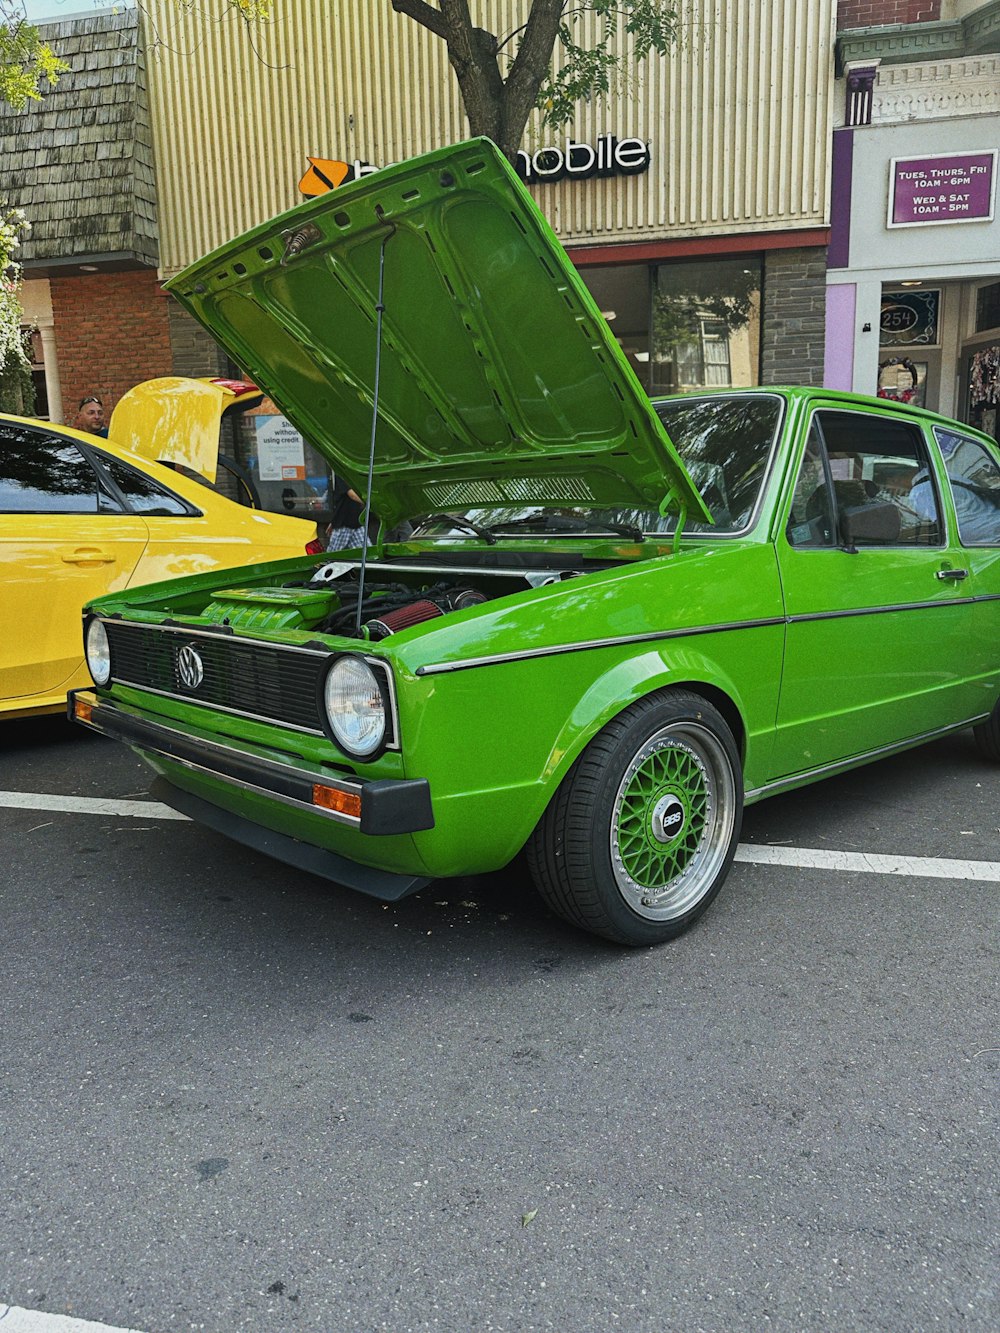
(355, 706)
(98, 652)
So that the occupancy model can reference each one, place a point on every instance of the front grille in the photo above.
(254, 679)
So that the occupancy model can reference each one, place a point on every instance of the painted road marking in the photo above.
(87, 805)
(15, 1320)
(815, 858)
(801, 858)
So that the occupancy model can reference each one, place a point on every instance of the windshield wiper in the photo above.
(457, 521)
(566, 523)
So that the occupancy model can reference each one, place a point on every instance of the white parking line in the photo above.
(87, 805)
(816, 858)
(15, 1320)
(802, 858)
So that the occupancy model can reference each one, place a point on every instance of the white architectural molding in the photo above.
(938, 89)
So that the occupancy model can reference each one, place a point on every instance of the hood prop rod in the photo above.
(379, 311)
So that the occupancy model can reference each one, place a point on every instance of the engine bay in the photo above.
(395, 596)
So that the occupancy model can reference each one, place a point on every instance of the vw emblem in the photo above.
(190, 668)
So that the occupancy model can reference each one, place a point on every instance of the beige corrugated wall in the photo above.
(738, 116)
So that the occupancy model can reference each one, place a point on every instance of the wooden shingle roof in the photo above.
(80, 161)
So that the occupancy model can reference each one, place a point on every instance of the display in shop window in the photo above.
(984, 389)
(903, 380)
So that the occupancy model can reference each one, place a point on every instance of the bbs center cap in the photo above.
(668, 819)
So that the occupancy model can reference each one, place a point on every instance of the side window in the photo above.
(811, 522)
(42, 473)
(144, 496)
(878, 489)
(975, 486)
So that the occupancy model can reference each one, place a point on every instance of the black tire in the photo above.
(987, 735)
(640, 836)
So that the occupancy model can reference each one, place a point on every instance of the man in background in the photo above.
(90, 417)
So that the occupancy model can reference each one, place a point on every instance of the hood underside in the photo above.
(499, 381)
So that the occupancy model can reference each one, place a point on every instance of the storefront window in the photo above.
(685, 326)
(984, 389)
(289, 475)
(622, 292)
(705, 325)
(988, 307)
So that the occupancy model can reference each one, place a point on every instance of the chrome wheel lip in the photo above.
(685, 890)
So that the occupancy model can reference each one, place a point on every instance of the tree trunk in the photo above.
(495, 107)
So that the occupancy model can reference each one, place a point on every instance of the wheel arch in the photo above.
(639, 678)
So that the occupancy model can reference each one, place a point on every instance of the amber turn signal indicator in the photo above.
(343, 802)
(82, 711)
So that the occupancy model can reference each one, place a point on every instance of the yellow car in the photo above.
(80, 516)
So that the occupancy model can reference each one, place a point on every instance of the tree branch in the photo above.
(426, 15)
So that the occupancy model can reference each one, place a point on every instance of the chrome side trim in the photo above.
(842, 765)
(655, 636)
(724, 627)
(889, 609)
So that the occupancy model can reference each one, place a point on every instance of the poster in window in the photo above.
(280, 450)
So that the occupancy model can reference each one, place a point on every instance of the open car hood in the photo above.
(499, 379)
(176, 420)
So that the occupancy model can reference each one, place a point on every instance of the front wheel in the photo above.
(642, 831)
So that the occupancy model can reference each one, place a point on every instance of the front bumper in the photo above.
(373, 806)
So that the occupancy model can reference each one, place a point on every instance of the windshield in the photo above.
(725, 442)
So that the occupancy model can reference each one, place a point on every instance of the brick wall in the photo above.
(794, 325)
(111, 332)
(876, 13)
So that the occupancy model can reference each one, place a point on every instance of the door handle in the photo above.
(88, 555)
(957, 575)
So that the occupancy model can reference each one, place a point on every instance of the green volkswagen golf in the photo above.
(598, 625)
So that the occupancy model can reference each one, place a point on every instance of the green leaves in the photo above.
(584, 72)
(25, 61)
(16, 389)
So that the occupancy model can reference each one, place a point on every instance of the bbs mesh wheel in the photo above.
(641, 833)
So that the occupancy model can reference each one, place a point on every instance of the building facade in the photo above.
(694, 199)
(914, 266)
(80, 163)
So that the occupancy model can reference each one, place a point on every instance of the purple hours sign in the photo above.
(952, 187)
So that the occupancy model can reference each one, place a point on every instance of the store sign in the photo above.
(582, 161)
(952, 187)
(610, 156)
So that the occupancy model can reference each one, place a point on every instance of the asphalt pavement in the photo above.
(236, 1098)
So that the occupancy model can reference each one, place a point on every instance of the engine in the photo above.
(387, 609)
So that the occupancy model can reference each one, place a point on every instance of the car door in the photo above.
(877, 616)
(972, 492)
(183, 540)
(64, 537)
